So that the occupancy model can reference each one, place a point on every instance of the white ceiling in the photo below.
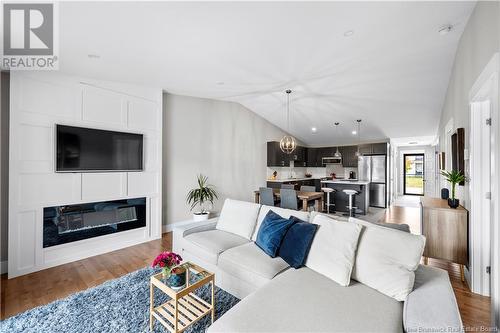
(392, 72)
(414, 141)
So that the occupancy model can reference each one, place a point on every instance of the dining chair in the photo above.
(288, 199)
(266, 196)
(288, 186)
(308, 188)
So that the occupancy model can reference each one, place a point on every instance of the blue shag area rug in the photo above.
(120, 305)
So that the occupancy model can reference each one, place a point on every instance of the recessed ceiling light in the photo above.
(349, 33)
(93, 56)
(413, 143)
(445, 29)
(314, 129)
(354, 132)
(219, 83)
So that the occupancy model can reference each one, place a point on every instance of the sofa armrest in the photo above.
(195, 227)
(184, 230)
(431, 306)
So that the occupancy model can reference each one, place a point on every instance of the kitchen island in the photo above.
(341, 200)
(297, 182)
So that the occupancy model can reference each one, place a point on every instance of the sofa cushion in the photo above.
(297, 242)
(386, 260)
(334, 248)
(431, 306)
(207, 245)
(283, 212)
(249, 263)
(271, 233)
(301, 300)
(238, 217)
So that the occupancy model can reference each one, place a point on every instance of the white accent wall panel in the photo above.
(47, 189)
(104, 186)
(143, 115)
(26, 240)
(143, 183)
(52, 99)
(39, 101)
(103, 106)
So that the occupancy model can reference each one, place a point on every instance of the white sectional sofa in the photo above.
(278, 298)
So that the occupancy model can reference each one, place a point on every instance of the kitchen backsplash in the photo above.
(299, 172)
(340, 171)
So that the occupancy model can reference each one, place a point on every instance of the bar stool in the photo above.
(351, 194)
(327, 203)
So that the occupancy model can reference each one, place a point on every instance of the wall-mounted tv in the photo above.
(92, 150)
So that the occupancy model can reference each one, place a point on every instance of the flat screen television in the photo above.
(91, 150)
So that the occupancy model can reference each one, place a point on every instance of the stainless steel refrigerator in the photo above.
(373, 169)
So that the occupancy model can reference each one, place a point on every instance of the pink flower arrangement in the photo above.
(167, 260)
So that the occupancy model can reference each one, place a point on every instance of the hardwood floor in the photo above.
(28, 291)
(31, 290)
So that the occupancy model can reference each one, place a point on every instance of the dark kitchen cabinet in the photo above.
(349, 158)
(329, 151)
(315, 156)
(323, 152)
(379, 148)
(366, 149)
(275, 156)
(299, 156)
(312, 157)
(373, 149)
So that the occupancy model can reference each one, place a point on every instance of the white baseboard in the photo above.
(170, 227)
(3, 267)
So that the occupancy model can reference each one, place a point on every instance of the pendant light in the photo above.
(337, 153)
(288, 142)
(358, 154)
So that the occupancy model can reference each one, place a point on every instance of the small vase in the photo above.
(453, 203)
(165, 273)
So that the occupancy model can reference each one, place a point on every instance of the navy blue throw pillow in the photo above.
(271, 233)
(297, 242)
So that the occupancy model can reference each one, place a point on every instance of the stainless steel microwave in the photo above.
(331, 160)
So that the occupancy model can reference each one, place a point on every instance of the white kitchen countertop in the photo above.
(345, 181)
(291, 179)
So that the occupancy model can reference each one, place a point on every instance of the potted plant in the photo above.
(200, 196)
(453, 177)
(172, 270)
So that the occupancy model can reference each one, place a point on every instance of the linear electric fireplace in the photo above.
(70, 223)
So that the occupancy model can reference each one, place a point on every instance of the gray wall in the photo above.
(4, 166)
(222, 140)
(479, 42)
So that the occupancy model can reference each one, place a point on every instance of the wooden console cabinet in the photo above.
(446, 231)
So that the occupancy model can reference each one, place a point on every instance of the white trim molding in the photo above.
(484, 233)
(171, 226)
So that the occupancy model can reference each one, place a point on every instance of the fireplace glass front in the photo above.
(70, 223)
